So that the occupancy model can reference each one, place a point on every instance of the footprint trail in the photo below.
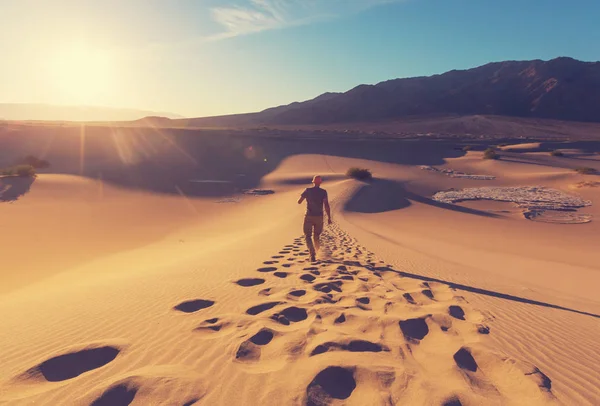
(358, 331)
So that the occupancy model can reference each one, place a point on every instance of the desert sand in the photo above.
(135, 271)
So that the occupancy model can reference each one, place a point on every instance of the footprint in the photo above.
(212, 324)
(248, 351)
(267, 269)
(363, 303)
(307, 277)
(340, 319)
(427, 293)
(270, 262)
(263, 337)
(250, 282)
(192, 306)
(281, 274)
(465, 360)
(453, 401)
(481, 329)
(542, 380)
(414, 329)
(352, 346)
(254, 310)
(71, 365)
(328, 287)
(117, 395)
(409, 298)
(290, 315)
(324, 299)
(287, 265)
(331, 383)
(298, 293)
(457, 312)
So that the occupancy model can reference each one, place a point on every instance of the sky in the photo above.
(211, 57)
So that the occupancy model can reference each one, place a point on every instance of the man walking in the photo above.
(316, 199)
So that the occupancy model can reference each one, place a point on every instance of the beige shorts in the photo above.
(313, 224)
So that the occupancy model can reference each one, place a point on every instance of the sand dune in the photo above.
(115, 293)
(65, 221)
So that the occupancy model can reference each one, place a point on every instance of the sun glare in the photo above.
(81, 74)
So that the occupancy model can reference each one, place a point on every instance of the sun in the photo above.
(81, 74)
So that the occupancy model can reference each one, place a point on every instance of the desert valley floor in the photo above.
(125, 280)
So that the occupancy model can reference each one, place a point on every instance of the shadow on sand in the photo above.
(492, 293)
(462, 287)
(382, 195)
(13, 187)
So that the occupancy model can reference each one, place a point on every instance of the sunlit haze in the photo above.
(212, 57)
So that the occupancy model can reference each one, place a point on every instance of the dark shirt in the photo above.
(315, 196)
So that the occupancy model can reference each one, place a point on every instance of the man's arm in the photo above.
(327, 209)
(302, 197)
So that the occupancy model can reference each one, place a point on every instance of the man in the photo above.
(316, 199)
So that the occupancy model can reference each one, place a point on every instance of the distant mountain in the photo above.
(562, 89)
(48, 112)
(153, 121)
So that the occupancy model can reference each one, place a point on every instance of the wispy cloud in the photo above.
(254, 16)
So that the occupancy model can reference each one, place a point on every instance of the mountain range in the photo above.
(561, 89)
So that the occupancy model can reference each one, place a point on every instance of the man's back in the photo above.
(315, 196)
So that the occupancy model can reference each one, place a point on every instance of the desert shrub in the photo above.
(585, 170)
(18, 170)
(24, 170)
(35, 162)
(556, 153)
(490, 153)
(467, 148)
(359, 173)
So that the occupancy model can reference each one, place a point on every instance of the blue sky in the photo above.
(210, 57)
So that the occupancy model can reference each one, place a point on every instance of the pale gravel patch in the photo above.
(539, 203)
(457, 174)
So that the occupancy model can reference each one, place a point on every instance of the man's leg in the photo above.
(307, 235)
(318, 229)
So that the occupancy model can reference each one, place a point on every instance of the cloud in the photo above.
(260, 15)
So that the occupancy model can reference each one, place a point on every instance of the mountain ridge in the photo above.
(562, 89)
